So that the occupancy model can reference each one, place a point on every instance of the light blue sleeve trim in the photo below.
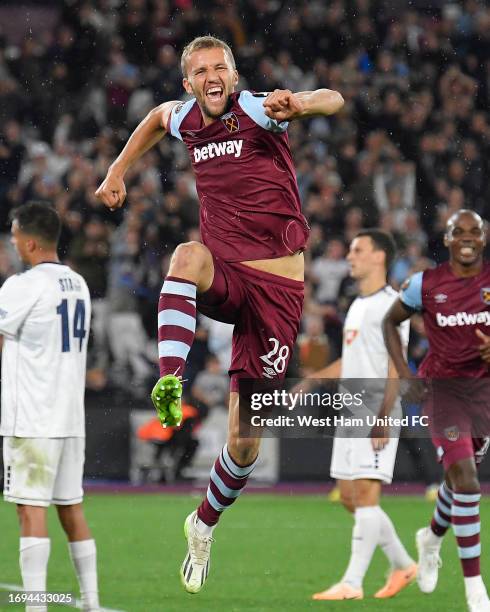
(411, 294)
(255, 110)
(178, 114)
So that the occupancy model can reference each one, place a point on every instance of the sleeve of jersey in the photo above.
(17, 297)
(177, 115)
(252, 104)
(411, 291)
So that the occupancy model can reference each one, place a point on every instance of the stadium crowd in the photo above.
(410, 147)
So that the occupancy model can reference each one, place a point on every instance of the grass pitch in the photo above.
(271, 553)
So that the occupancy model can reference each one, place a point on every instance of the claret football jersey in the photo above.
(453, 308)
(246, 182)
(45, 322)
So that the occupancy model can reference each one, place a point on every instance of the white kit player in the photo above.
(44, 322)
(362, 464)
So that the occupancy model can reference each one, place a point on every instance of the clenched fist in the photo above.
(112, 191)
(282, 105)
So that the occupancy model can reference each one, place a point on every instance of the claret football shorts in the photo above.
(459, 411)
(266, 311)
(43, 471)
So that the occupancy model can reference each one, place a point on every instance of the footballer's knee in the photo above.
(22, 515)
(192, 261)
(243, 451)
(32, 520)
(346, 498)
(463, 476)
(347, 501)
(366, 492)
(72, 519)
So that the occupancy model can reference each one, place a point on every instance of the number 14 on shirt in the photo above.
(78, 327)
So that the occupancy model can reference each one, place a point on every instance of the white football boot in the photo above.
(476, 595)
(195, 568)
(429, 560)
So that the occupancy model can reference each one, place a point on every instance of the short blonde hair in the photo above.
(205, 42)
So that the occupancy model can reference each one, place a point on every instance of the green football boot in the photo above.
(167, 399)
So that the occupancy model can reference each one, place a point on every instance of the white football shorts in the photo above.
(355, 459)
(43, 471)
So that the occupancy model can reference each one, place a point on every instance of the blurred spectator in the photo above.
(12, 153)
(394, 186)
(211, 385)
(409, 261)
(219, 340)
(89, 255)
(173, 447)
(9, 261)
(328, 271)
(313, 346)
(121, 80)
(127, 337)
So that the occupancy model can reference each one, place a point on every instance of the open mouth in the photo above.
(215, 93)
(467, 251)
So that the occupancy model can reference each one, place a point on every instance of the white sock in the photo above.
(474, 585)
(391, 545)
(432, 538)
(33, 560)
(84, 557)
(205, 530)
(365, 538)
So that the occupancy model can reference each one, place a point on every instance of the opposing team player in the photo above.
(362, 464)
(44, 321)
(249, 269)
(454, 299)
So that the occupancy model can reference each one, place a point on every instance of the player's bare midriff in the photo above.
(290, 266)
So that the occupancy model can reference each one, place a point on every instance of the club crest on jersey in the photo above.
(485, 295)
(452, 433)
(350, 335)
(230, 122)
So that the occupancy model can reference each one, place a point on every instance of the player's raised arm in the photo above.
(284, 105)
(398, 313)
(112, 191)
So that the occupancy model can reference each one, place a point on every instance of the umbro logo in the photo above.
(269, 372)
